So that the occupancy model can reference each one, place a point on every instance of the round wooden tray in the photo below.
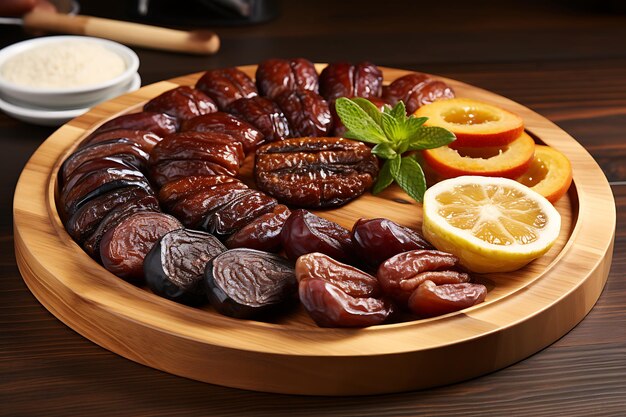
(524, 311)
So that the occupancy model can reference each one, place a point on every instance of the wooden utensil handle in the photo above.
(195, 42)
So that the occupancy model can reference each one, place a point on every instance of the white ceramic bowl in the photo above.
(67, 98)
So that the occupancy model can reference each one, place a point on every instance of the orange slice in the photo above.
(473, 122)
(549, 174)
(509, 161)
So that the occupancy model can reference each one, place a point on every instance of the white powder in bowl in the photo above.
(63, 65)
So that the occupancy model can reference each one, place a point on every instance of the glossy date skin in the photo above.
(246, 283)
(182, 103)
(174, 267)
(226, 85)
(304, 232)
(342, 79)
(264, 114)
(174, 191)
(158, 123)
(277, 76)
(376, 240)
(145, 139)
(315, 172)
(415, 90)
(262, 233)
(168, 171)
(249, 136)
(430, 300)
(124, 246)
(307, 112)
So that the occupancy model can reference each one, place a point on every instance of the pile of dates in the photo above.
(157, 199)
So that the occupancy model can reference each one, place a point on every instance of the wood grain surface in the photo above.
(560, 61)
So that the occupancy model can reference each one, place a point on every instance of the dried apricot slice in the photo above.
(474, 123)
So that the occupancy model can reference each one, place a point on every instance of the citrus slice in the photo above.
(549, 174)
(473, 122)
(509, 161)
(490, 224)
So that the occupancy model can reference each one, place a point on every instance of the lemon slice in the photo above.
(490, 224)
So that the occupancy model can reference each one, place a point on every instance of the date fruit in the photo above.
(182, 103)
(145, 139)
(415, 90)
(304, 232)
(174, 191)
(315, 172)
(174, 267)
(249, 136)
(263, 114)
(124, 247)
(245, 283)
(263, 233)
(226, 85)
(307, 112)
(277, 76)
(342, 79)
(430, 300)
(376, 240)
(158, 123)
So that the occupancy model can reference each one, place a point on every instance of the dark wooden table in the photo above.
(567, 63)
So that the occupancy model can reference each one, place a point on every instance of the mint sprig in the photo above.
(393, 133)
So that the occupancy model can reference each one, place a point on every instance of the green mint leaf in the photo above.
(410, 178)
(384, 150)
(394, 166)
(429, 137)
(369, 108)
(415, 123)
(393, 128)
(384, 177)
(360, 125)
(399, 111)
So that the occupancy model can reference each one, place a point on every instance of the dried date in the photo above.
(415, 90)
(342, 79)
(145, 139)
(307, 112)
(226, 85)
(182, 103)
(245, 283)
(429, 299)
(263, 114)
(249, 136)
(159, 123)
(263, 233)
(174, 191)
(277, 76)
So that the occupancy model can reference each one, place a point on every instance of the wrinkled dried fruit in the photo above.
(342, 79)
(415, 90)
(183, 103)
(263, 233)
(249, 136)
(307, 112)
(174, 191)
(145, 139)
(430, 300)
(159, 123)
(263, 114)
(276, 76)
(226, 85)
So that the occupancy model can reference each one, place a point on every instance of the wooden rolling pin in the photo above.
(196, 42)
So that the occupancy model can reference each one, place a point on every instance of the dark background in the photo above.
(565, 60)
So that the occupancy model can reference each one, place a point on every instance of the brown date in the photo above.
(176, 190)
(348, 279)
(124, 247)
(168, 171)
(315, 172)
(429, 299)
(263, 114)
(249, 136)
(263, 233)
(158, 123)
(145, 139)
(226, 85)
(401, 274)
(277, 76)
(307, 112)
(342, 79)
(415, 90)
(304, 232)
(182, 103)
(376, 240)
(245, 283)
(329, 306)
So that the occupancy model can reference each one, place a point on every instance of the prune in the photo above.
(342, 79)
(168, 171)
(430, 300)
(304, 232)
(263, 114)
(173, 191)
(276, 76)
(124, 247)
(348, 279)
(238, 212)
(307, 112)
(400, 275)
(226, 85)
(113, 217)
(193, 209)
(87, 218)
(249, 136)
(174, 267)
(376, 240)
(182, 102)
(245, 283)
(263, 233)
(145, 139)
(315, 172)
(415, 90)
(122, 149)
(329, 306)
(339, 129)
(159, 123)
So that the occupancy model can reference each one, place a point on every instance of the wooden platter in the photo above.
(524, 312)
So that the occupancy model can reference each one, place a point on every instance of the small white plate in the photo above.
(45, 117)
